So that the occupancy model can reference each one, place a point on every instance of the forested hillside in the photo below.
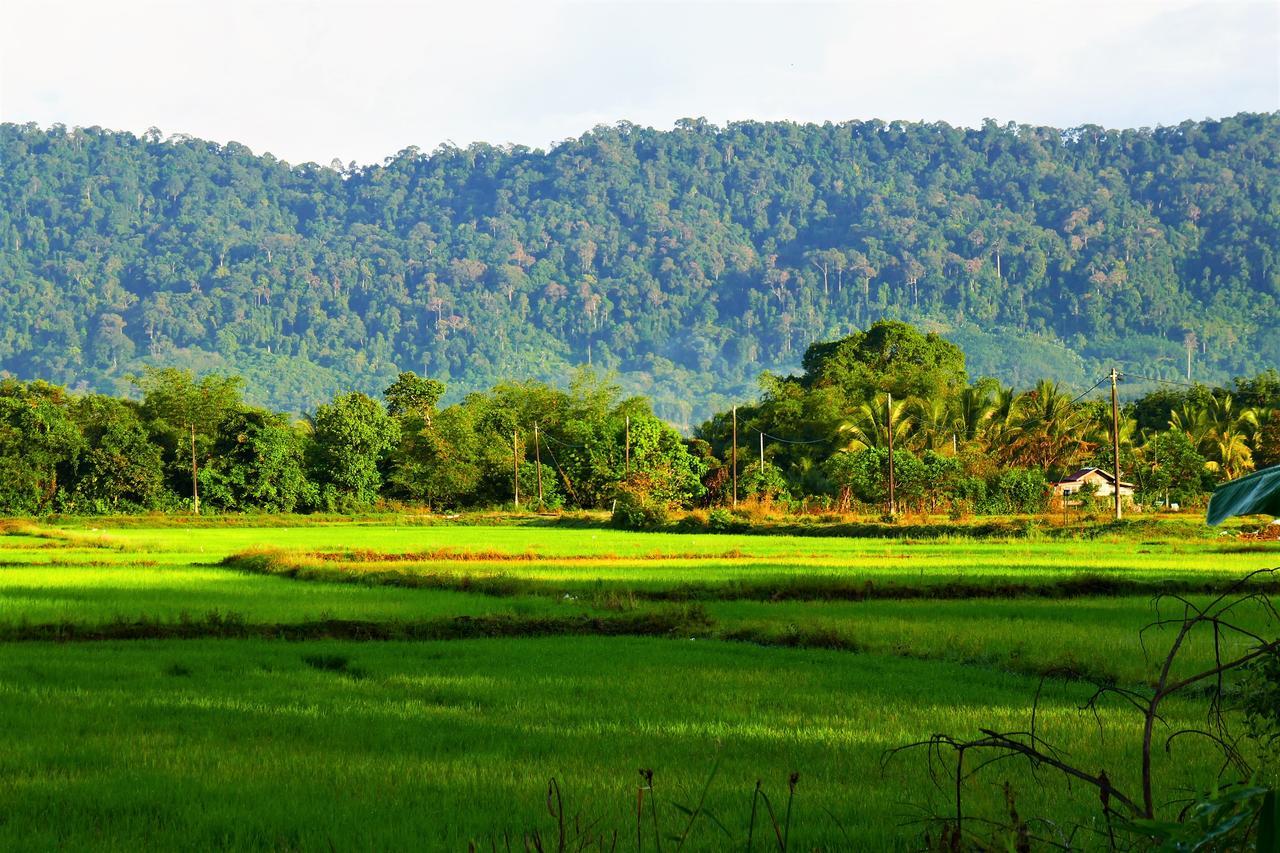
(688, 260)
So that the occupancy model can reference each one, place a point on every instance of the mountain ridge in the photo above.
(686, 260)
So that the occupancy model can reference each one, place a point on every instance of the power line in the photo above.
(564, 476)
(1090, 390)
(792, 440)
(551, 437)
(1169, 381)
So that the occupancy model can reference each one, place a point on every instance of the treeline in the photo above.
(818, 439)
(686, 261)
(193, 444)
(979, 446)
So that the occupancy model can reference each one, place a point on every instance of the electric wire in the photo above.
(1088, 391)
(791, 440)
(551, 437)
(1168, 381)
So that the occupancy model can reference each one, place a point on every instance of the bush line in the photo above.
(309, 568)
(232, 626)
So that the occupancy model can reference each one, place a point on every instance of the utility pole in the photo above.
(1115, 436)
(537, 456)
(627, 443)
(195, 473)
(734, 464)
(761, 453)
(893, 502)
(515, 463)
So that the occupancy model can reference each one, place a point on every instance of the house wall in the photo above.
(1102, 484)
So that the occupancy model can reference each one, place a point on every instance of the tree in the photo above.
(764, 483)
(119, 468)
(38, 440)
(863, 475)
(444, 466)
(890, 357)
(259, 463)
(974, 408)
(662, 458)
(351, 435)
(1220, 431)
(870, 424)
(1051, 430)
(412, 394)
(1267, 449)
(183, 409)
(1169, 468)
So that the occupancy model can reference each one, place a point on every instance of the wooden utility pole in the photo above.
(537, 461)
(734, 463)
(761, 453)
(893, 501)
(1115, 437)
(627, 443)
(515, 463)
(195, 473)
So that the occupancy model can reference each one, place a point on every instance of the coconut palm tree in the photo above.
(935, 422)
(1052, 430)
(1194, 421)
(1098, 427)
(1220, 432)
(868, 426)
(974, 408)
(998, 431)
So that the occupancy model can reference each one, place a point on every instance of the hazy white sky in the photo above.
(319, 79)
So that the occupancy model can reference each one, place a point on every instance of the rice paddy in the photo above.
(251, 708)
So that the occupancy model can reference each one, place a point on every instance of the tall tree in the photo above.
(38, 440)
(412, 394)
(351, 435)
(188, 411)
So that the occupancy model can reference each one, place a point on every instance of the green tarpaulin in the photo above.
(1256, 494)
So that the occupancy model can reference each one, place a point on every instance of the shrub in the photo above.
(636, 509)
(766, 484)
(1023, 490)
(722, 521)
(692, 522)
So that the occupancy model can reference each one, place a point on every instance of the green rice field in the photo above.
(383, 685)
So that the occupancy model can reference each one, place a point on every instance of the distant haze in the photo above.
(320, 79)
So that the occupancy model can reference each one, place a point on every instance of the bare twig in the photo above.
(1217, 616)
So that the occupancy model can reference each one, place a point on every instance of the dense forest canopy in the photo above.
(688, 261)
(824, 438)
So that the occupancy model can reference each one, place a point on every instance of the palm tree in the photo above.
(1229, 453)
(1220, 433)
(1051, 429)
(935, 422)
(974, 409)
(869, 424)
(1097, 418)
(1194, 421)
(998, 432)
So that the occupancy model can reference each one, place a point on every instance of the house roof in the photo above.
(1085, 472)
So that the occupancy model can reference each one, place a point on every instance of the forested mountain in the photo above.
(687, 260)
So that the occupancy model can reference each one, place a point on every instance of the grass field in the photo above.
(214, 686)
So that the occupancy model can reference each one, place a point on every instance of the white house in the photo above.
(1103, 481)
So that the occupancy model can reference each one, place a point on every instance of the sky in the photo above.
(318, 80)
